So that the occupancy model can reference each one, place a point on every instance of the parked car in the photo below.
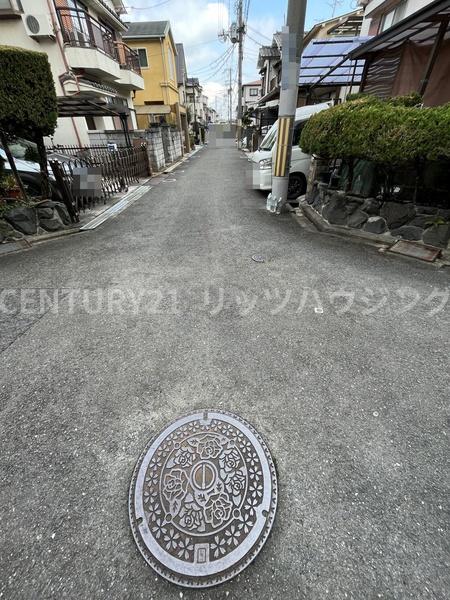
(300, 162)
(30, 174)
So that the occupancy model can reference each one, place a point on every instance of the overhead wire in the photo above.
(218, 63)
(259, 33)
(220, 67)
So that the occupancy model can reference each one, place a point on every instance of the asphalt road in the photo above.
(336, 354)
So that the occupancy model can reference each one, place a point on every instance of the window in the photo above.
(10, 6)
(298, 128)
(392, 17)
(90, 122)
(270, 139)
(254, 92)
(143, 60)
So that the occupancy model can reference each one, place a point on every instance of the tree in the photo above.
(28, 106)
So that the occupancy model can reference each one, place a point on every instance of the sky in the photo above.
(197, 23)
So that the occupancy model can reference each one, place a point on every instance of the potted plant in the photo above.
(9, 187)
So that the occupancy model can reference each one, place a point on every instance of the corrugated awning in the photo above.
(420, 28)
(81, 106)
(325, 62)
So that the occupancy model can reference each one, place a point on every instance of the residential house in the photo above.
(95, 73)
(347, 25)
(251, 94)
(205, 109)
(194, 93)
(380, 15)
(325, 48)
(159, 102)
(212, 115)
(411, 51)
(181, 82)
(181, 73)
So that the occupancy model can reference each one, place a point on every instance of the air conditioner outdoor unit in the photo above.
(38, 26)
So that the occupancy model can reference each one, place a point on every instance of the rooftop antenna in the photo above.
(334, 5)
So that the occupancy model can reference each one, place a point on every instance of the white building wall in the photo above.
(13, 33)
(411, 7)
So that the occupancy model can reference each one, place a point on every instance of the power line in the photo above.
(220, 67)
(255, 41)
(212, 64)
(146, 7)
(259, 33)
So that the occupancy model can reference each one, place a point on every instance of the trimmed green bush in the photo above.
(391, 132)
(27, 93)
(28, 106)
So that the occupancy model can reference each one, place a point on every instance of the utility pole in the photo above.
(291, 47)
(240, 30)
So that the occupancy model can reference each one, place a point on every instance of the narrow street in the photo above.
(333, 351)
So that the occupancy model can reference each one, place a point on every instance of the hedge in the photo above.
(28, 106)
(392, 132)
(27, 93)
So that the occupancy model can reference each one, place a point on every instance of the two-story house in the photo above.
(194, 92)
(95, 73)
(251, 94)
(410, 50)
(181, 82)
(159, 102)
(380, 15)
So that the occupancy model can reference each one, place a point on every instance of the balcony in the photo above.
(90, 46)
(130, 77)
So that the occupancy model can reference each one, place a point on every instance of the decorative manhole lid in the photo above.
(203, 498)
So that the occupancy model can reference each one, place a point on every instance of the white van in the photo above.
(263, 157)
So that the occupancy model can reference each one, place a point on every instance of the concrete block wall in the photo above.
(101, 138)
(153, 137)
(178, 144)
(164, 144)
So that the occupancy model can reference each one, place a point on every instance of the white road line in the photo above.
(117, 208)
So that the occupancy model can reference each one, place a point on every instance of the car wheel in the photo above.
(296, 186)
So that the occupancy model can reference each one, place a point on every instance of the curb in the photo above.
(369, 239)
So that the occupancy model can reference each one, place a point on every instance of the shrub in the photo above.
(391, 132)
(27, 93)
(28, 106)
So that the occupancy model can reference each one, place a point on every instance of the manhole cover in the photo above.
(203, 499)
(258, 258)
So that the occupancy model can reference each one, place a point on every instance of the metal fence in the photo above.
(115, 171)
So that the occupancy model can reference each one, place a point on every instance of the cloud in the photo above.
(196, 24)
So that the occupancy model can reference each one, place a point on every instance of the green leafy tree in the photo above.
(28, 106)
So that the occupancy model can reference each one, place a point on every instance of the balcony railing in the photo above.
(128, 58)
(81, 30)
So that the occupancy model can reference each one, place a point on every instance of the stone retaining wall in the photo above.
(44, 217)
(396, 220)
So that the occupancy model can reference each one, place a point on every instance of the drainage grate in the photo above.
(203, 499)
